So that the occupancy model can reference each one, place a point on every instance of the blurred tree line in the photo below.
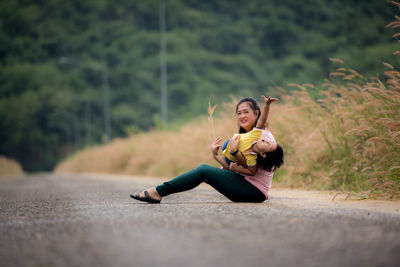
(57, 58)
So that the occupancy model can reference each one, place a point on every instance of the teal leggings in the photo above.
(231, 184)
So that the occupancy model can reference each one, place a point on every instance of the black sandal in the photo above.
(146, 198)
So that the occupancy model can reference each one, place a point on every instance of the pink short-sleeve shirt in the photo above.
(263, 178)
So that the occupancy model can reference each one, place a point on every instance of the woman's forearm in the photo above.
(250, 171)
(221, 160)
(240, 159)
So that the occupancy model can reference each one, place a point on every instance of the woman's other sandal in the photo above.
(146, 198)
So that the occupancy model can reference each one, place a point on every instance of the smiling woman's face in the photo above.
(246, 116)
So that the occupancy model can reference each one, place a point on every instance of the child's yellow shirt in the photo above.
(245, 142)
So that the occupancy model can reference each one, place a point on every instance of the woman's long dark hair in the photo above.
(253, 105)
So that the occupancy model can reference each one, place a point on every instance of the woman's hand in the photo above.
(269, 100)
(215, 146)
(219, 158)
(233, 143)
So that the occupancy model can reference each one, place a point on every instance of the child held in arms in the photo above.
(244, 152)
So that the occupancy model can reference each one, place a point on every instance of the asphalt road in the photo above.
(61, 220)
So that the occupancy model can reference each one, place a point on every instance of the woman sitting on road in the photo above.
(235, 186)
(251, 147)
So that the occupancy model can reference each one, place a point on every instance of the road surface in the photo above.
(89, 220)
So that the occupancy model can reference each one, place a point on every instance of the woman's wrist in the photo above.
(234, 152)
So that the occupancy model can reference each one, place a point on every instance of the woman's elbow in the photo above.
(252, 172)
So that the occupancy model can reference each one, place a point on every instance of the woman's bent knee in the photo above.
(204, 167)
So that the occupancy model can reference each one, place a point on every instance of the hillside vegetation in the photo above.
(57, 58)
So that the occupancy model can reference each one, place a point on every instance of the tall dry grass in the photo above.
(349, 139)
(9, 167)
(365, 150)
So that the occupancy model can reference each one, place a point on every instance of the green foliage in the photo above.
(215, 49)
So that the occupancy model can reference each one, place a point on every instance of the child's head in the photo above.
(272, 159)
(264, 145)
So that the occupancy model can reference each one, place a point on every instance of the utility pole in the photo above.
(87, 124)
(163, 66)
(106, 99)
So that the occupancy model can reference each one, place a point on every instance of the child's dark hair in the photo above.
(273, 159)
(253, 105)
